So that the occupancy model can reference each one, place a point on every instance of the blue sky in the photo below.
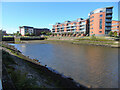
(44, 14)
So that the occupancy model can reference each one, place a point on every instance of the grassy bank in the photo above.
(28, 73)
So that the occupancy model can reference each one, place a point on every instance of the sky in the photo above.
(45, 14)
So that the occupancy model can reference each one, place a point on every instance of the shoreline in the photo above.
(76, 42)
(35, 63)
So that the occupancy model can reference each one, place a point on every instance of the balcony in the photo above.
(82, 24)
(108, 16)
(108, 20)
(108, 24)
(107, 28)
(58, 27)
(109, 11)
(82, 27)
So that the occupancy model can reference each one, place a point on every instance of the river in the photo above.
(89, 65)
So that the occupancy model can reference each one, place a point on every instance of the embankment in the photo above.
(29, 73)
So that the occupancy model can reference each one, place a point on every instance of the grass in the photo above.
(7, 36)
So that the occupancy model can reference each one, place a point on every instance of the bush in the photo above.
(93, 37)
(27, 34)
(110, 33)
(115, 34)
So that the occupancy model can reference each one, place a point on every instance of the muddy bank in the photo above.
(93, 43)
(114, 44)
(33, 74)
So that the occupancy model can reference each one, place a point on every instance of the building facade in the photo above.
(100, 21)
(31, 30)
(4, 32)
(116, 27)
(78, 26)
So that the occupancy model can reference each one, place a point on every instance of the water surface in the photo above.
(88, 65)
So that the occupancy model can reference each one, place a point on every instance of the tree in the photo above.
(115, 34)
(110, 33)
(55, 34)
(43, 32)
(48, 33)
(27, 34)
(19, 34)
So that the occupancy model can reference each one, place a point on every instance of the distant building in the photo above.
(4, 32)
(116, 27)
(100, 21)
(32, 30)
(78, 26)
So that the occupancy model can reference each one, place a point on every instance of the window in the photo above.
(100, 24)
(100, 31)
(92, 32)
(92, 17)
(101, 15)
(92, 28)
(101, 11)
(92, 20)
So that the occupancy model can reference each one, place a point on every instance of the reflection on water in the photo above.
(89, 65)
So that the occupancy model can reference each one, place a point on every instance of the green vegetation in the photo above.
(43, 33)
(48, 33)
(113, 34)
(110, 33)
(27, 34)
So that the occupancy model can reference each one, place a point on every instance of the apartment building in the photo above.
(78, 26)
(115, 26)
(100, 21)
(32, 30)
(4, 32)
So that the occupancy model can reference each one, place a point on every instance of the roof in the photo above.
(26, 26)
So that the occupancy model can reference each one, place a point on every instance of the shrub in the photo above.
(115, 34)
(110, 33)
(93, 37)
(55, 34)
(27, 34)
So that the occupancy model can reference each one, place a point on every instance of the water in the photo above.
(88, 65)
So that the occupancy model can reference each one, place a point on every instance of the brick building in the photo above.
(100, 21)
(78, 26)
(116, 27)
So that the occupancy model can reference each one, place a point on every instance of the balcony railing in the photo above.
(108, 15)
(82, 24)
(107, 28)
(108, 20)
(109, 11)
(108, 24)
